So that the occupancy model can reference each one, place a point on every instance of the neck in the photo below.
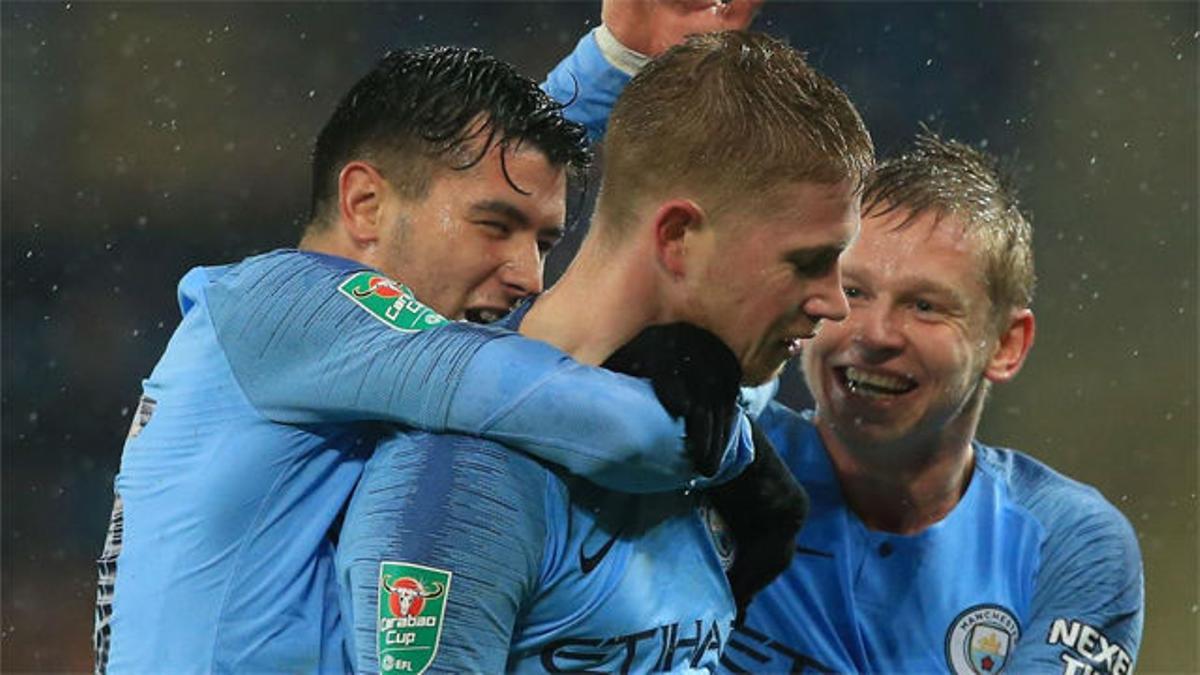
(904, 486)
(320, 240)
(604, 299)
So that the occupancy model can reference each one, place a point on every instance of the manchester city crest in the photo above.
(980, 639)
(722, 538)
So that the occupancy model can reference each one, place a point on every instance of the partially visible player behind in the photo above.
(730, 186)
(443, 169)
(927, 550)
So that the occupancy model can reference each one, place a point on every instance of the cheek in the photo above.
(446, 222)
(957, 358)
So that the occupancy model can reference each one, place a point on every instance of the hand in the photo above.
(651, 27)
(764, 509)
(695, 376)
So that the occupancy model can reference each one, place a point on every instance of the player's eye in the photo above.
(497, 227)
(923, 305)
(852, 292)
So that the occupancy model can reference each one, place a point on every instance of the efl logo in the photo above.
(412, 603)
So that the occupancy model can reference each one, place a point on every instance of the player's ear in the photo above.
(361, 193)
(1016, 338)
(674, 221)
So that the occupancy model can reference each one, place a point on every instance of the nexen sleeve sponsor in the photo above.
(1091, 651)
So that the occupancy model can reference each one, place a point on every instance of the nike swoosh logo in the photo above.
(588, 563)
(812, 551)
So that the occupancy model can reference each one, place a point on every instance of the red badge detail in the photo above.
(406, 597)
(384, 287)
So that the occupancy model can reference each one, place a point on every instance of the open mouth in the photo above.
(874, 385)
(484, 315)
(793, 345)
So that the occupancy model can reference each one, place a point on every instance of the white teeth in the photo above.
(793, 346)
(483, 315)
(877, 381)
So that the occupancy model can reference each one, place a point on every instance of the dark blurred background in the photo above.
(139, 140)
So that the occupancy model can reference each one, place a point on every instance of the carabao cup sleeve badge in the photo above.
(412, 604)
(392, 303)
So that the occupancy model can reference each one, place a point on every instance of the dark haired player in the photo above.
(445, 170)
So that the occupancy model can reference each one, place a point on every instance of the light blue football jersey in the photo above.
(253, 430)
(525, 568)
(1031, 572)
(1028, 554)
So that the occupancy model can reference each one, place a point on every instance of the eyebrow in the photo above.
(502, 208)
(911, 285)
(807, 257)
(932, 287)
(507, 210)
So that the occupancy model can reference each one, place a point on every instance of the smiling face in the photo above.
(473, 245)
(764, 280)
(911, 358)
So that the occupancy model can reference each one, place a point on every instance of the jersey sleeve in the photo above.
(1088, 600)
(587, 84)
(441, 545)
(305, 350)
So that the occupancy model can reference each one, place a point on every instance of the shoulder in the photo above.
(777, 418)
(1056, 500)
(439, 468)
(1079, 523)
(796, 439)
(283, 266)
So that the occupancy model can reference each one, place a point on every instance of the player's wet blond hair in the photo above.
(727, 117)
(947, 177)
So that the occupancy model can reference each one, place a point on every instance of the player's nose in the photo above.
(827, 299)
(521, 272)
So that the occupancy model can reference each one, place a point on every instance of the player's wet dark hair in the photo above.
(420, 106)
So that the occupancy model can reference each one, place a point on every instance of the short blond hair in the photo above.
(947, 177)
(731, 116)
